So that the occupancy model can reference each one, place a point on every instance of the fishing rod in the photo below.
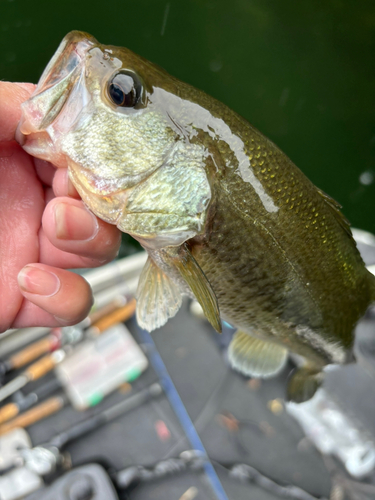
(193, 460)
(50, 361)
(97, 367)
(45, 458)
(23, 403)
(33, 372)
(45, 409)
(57, 338)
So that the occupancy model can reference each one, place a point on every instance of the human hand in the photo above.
(45, 229)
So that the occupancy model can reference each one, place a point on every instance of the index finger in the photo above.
(12, 95)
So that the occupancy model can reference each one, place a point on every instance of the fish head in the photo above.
(105, 114)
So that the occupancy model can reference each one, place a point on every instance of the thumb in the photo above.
(12, 95)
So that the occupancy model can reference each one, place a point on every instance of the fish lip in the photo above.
(54, 86)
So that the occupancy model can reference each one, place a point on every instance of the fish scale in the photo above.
(335, 265)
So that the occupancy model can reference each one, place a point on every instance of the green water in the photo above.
(301, 72)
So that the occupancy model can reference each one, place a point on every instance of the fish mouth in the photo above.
(52, 92)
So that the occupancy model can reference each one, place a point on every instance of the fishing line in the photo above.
(208, 411)
(181, 412)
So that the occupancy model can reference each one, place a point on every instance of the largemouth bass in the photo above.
(224, 215)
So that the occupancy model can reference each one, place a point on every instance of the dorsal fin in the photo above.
(335, 209)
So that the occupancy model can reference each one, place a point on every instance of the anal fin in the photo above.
(255, 357)
(158, 297)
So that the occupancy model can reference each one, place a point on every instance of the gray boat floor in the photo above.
(270, 441)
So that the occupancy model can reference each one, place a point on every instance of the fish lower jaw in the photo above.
(40, 145)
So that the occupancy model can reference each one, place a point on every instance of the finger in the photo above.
(61, 297)
(21, 209)
(62, 185)
(32, 315)
(45, 171)
(72, 228)
(12, 95)
(48, 195)
(53, 256)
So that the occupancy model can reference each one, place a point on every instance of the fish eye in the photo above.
(124, 89)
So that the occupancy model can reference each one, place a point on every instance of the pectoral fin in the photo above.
(188, 268)
(158, 297)
(303, 384)
(255, 357)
